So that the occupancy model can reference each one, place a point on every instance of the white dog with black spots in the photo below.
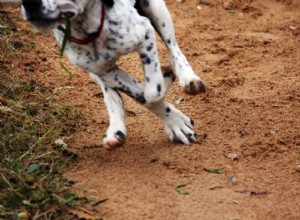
(104, 30)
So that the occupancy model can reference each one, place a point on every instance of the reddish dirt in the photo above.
(250, 61)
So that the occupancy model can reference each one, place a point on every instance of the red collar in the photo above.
(91, 37)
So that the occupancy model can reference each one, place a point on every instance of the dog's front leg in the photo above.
(157, 12)
(116, 134)
(155, 89)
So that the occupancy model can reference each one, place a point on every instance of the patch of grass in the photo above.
(30, 163)
(31, 184)
(7, 29)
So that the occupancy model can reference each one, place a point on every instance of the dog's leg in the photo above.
(155, 89)
(157, 12)
(116, 133)
(177, 126)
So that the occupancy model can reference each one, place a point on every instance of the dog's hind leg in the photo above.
(178, 126)
(157, 12)
(116, 133)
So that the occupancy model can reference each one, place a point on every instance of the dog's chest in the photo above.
(95, 57)
(122, 33)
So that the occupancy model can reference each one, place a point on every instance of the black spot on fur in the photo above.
(150, 47)
(140, 98)
(113, 22)
(145, 59)
(158, 88)
(113, 40)
(192, 122)
(168, 109)
(121, 135)
(113, 69)
(148, 61)
(110, 48)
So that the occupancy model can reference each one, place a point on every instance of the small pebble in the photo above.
(180, 1)
(298, 168)
(233, 156)
(60, 142)
(199, 7)
(232, 180)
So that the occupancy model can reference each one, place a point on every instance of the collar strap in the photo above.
(91, 37)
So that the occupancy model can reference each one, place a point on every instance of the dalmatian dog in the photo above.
(104, 30)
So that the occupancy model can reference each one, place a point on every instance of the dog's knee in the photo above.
(155, 92)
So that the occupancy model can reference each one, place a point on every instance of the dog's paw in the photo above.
(193, 86)
(179, 127)
(114, 140)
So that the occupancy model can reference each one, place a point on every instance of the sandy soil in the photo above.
(248, 121)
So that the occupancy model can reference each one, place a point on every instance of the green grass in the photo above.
(31, 165)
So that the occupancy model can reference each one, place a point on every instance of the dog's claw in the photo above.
(182, 137)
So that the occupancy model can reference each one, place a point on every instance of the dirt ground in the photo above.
(248, 121)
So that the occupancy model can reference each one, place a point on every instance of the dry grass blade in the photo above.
(217, 171)
(180, 189)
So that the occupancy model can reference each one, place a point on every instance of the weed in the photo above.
(31, 184)
(30, 165)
